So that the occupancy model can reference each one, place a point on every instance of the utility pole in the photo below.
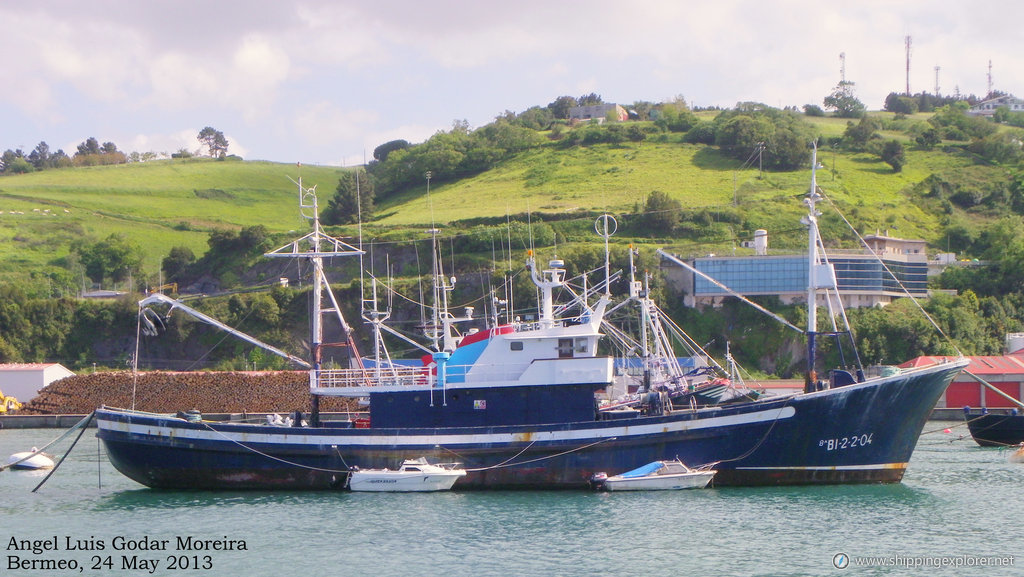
(908, 65)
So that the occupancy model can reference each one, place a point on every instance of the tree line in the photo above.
(461, 152)
(92, 153)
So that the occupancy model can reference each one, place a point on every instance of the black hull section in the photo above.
(996, 429)
(862, 433)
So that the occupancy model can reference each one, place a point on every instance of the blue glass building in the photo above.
(862, 279)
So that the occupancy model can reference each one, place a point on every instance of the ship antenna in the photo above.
(819, 274)
(315, 246)
(359, 225)
(605, 226)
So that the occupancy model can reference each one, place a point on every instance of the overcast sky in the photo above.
(324, 82)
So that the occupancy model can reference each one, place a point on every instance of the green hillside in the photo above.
(619, 178)
(157, 205)
(961, 190)
(169, 203)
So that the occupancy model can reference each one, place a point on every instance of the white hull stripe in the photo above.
(388, 440)
(874, 467)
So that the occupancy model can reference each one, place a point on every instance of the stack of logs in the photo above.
(167, 392)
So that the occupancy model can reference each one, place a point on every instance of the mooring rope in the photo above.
(64, 435)
(85, 424)
(956, 426)
(760, 441)
(349, 470)
(507, 464)
(278, 459)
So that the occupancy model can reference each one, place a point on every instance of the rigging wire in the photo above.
(891, 274)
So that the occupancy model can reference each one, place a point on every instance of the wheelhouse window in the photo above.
(581, 345)
(516, 345)
(565, 348)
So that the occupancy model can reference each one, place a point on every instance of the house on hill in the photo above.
(24, 380)
(989, 107)
(597, 112)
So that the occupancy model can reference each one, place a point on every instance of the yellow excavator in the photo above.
(8, 404)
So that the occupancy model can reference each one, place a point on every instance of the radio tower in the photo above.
(908, 65)
(842, 67)
(936, 81)
(989, 95)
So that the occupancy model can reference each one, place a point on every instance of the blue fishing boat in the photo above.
(519, 404)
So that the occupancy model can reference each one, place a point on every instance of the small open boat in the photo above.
(659, 475)
(413, 475)
(30, 460)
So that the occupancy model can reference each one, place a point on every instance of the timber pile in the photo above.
(169, 392)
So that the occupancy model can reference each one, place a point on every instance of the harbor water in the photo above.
(957, 512)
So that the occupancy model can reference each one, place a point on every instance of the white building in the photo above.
(24, 380)
(598, 112)
(989, 107)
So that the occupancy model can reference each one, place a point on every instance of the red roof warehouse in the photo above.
(1005, 372)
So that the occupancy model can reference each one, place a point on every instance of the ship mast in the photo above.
(314, 247)
(820, 274)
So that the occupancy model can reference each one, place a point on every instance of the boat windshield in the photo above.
(643, 471)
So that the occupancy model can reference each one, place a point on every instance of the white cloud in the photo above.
(325, 126)
(304, 78)
(162, 143)
(258, 69)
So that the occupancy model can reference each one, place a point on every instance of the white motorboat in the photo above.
(30, 460)
(413, 475)
(659, 475)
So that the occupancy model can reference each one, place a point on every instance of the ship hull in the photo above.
(861, 433)
(995, 430)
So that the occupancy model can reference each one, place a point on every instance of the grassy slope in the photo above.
(618, 179)
(157, 206)
(597, 177)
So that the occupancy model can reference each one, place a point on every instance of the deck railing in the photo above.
(373, 377)
(542, 371)
(413, 377)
